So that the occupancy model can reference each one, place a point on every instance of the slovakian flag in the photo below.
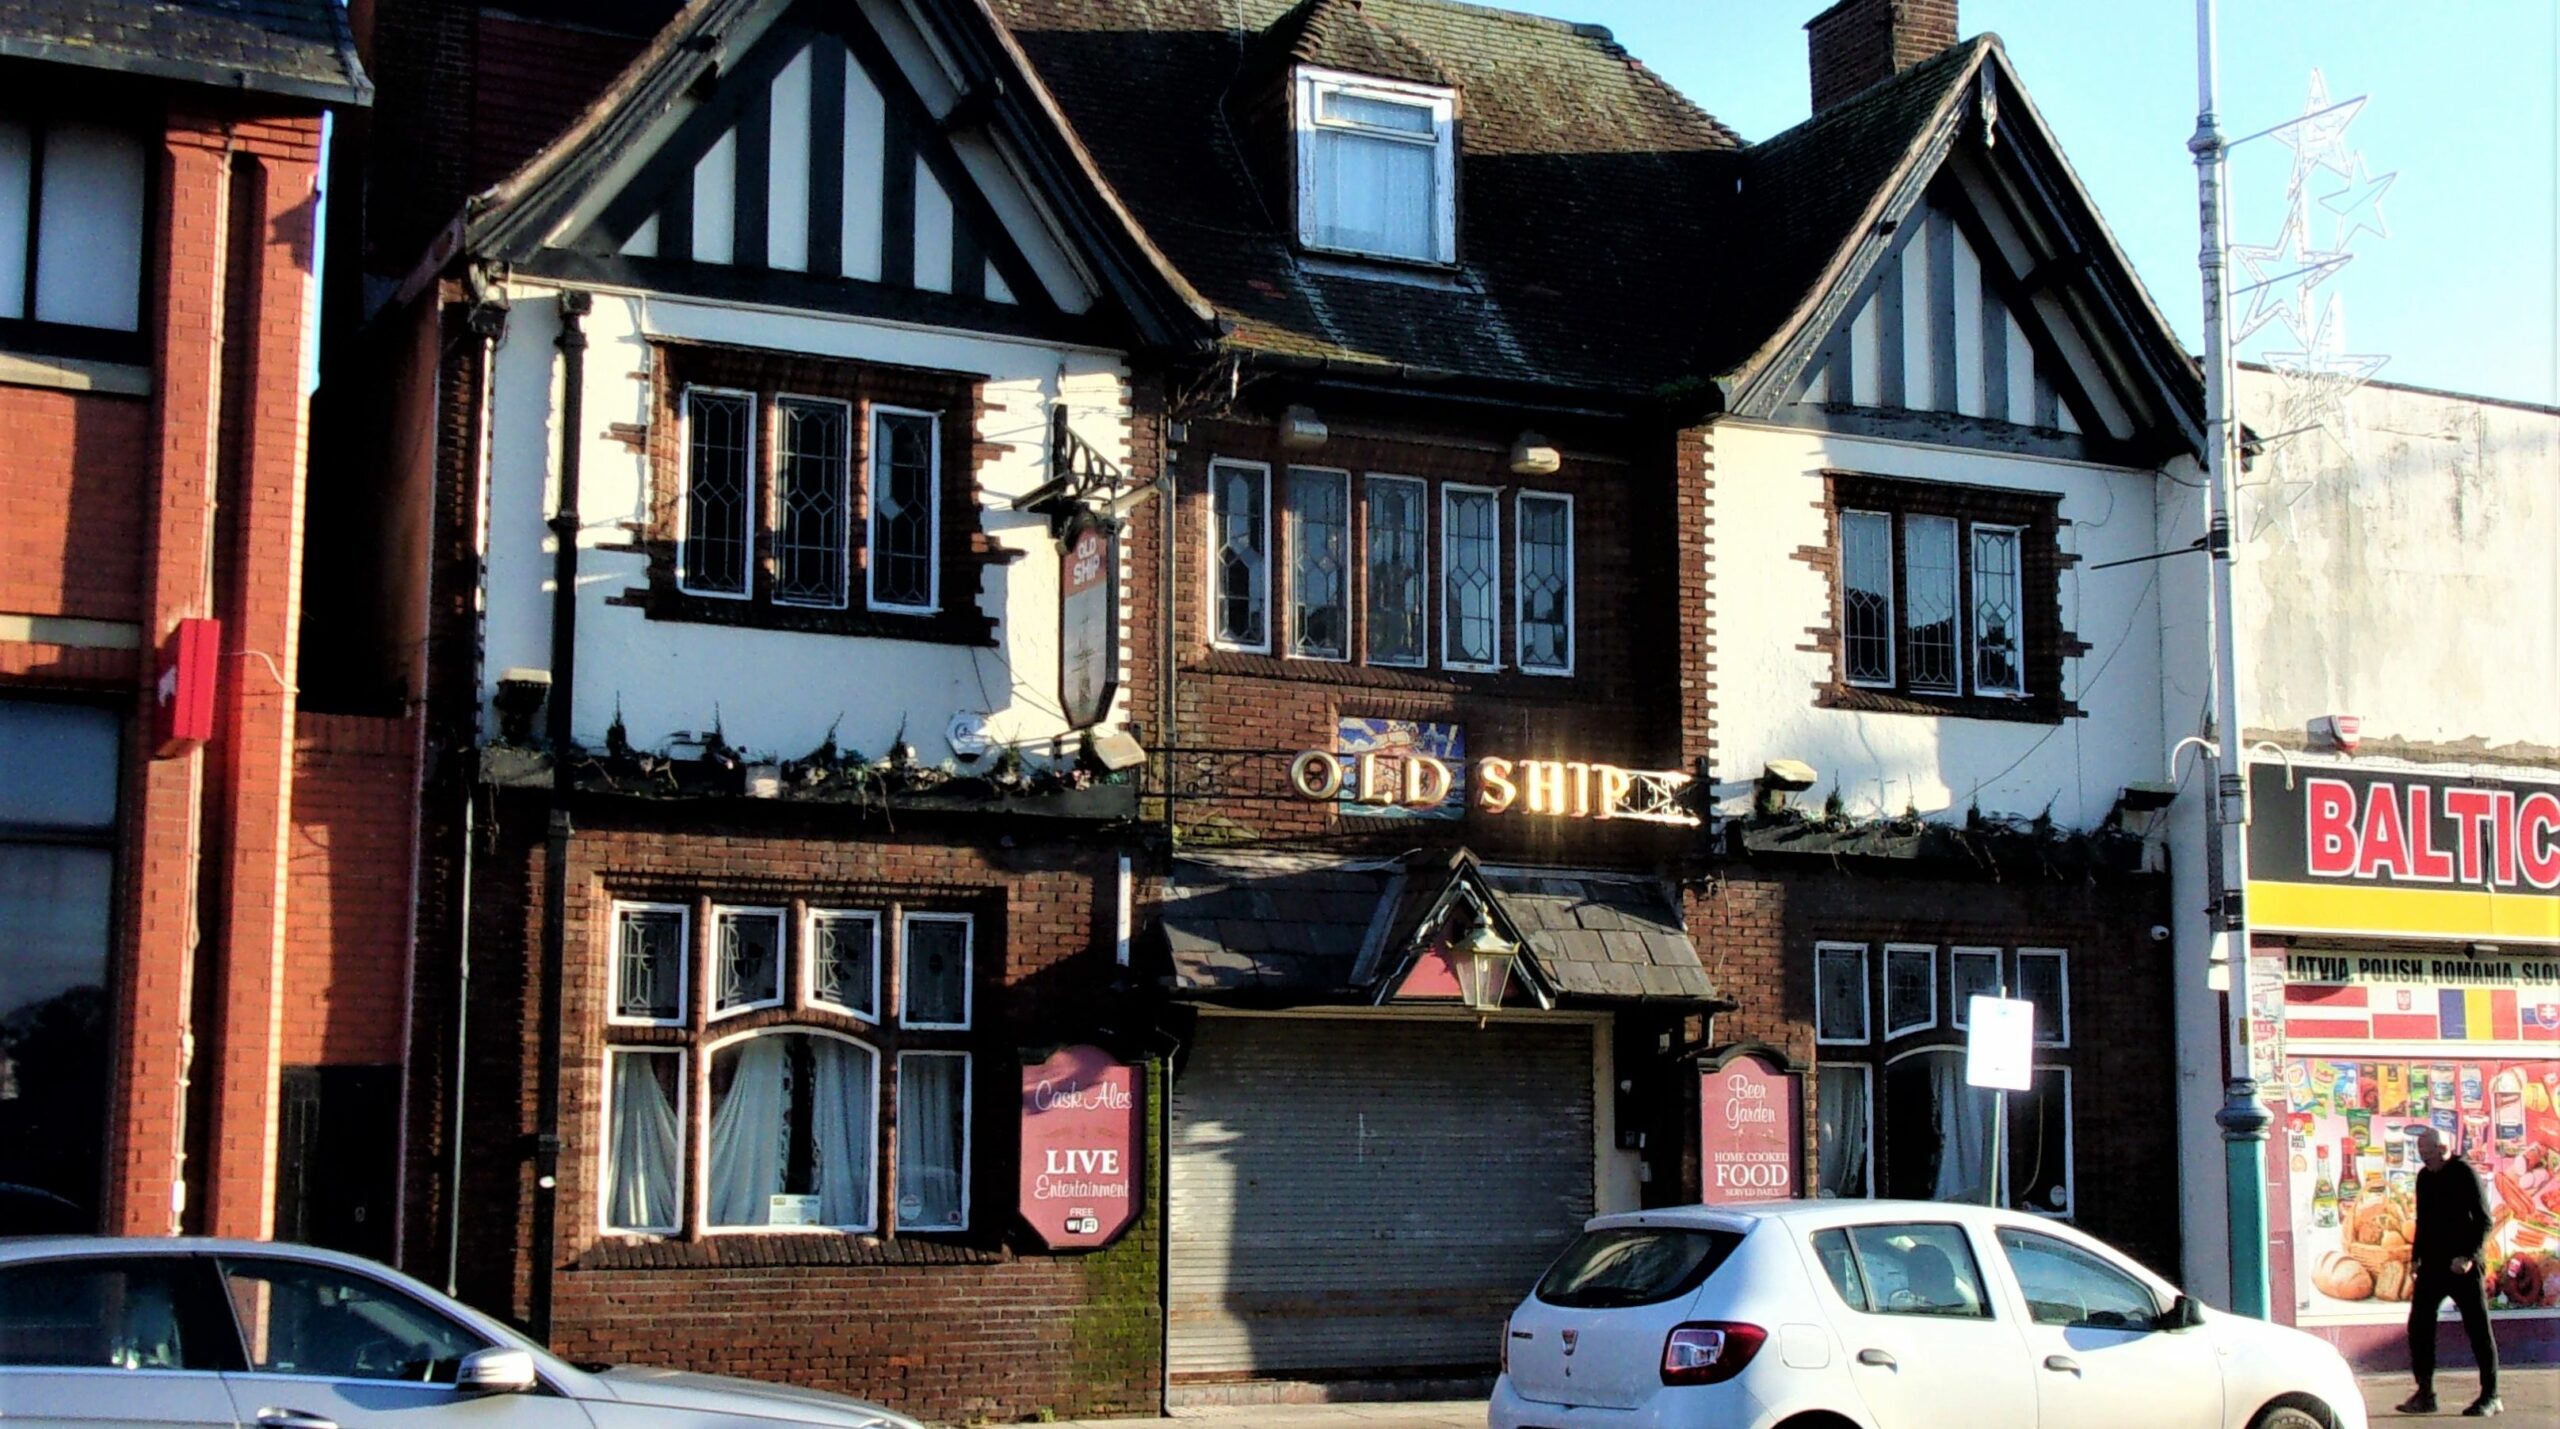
(2541, 1019)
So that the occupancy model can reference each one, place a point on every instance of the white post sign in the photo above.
(1999, 1046)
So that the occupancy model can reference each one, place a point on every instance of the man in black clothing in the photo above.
(2453, 1220)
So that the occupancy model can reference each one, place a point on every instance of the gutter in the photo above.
(572, 343)
(355, 91)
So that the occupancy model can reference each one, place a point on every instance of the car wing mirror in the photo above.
(2183, 1314)
(496, 1370)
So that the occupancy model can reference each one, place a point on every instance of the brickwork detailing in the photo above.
(1756, 928)
(969, 1326)
(1860, 43)
(74, 503)
(345, 986)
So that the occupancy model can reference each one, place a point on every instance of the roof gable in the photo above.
(1940, 257)
(823, 155)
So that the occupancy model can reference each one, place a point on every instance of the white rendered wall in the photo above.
(775, 692)
(1768, 497)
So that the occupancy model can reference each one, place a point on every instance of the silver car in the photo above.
(98, 1331)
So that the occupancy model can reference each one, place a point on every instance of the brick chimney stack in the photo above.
(1860, 43)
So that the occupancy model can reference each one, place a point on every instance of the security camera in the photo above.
(2159, 932)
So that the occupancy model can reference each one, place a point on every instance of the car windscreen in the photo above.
(1634, 1265)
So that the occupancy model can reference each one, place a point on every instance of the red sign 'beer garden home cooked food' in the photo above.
(1748, 1107)
(1079, 1148)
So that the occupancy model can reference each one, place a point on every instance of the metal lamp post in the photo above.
(2242, 1119)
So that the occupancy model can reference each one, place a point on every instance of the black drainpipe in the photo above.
(572, 343)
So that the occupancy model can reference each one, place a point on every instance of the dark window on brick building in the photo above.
(1895, 1116)
(1502, 585)
(765, 1109)
(74, 217)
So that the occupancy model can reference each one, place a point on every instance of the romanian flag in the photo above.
(2479, 1014)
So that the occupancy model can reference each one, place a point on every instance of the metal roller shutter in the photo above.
(1355, 1198)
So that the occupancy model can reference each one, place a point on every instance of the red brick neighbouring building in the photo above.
(157, 971)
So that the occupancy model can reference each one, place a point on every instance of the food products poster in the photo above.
(2348, 1125)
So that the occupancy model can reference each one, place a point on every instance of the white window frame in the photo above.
(1422, 548)
(1973, 608)
(1449, 491)
(844, 548)
(2070, 1152)
(1928, 953)
(702, 1134)
(1866, 1021)
(1959, 597)
(2061, 958)
(1210, 547)
(1312, 84)
(871, 514)
(1519, 592)
(781, 960)
(968, 969)
(968, 1142)
(684, 1132)
(808, 960)
(1892, 599)
(1960, 1013)
(684, 965)
(1350, 553)
(684, 494)
(1867, 1081)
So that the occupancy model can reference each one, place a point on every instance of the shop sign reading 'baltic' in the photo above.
(2398, 853)
(1079, 1148)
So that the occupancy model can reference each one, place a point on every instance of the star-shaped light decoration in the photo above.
(2317, 379)
(2359, 205)
(2279, 279)
(2319, 140)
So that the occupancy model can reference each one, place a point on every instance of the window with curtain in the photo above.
(1376, 167)
(1319, 535)
(1895, 1116)
(1398, 570)
(764, 1104)
(74, 201)
(1936, 588)
(933, 1140)
(1240, 555)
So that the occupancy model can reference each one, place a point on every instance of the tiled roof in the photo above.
(1295, 926)
(1589, 188)
(288, 47)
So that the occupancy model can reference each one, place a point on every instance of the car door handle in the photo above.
(293, 1419)
(2062, 1364)
(1881, 1358)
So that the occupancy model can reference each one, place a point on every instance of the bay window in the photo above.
(756, 1102)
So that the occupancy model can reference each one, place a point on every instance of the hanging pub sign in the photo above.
(1088, 620)
(2391, 853)
(1749, 1109)
(1079, 1148)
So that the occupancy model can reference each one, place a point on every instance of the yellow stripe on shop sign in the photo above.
(2479, 1016)
(2424, 912)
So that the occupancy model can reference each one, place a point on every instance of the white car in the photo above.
(1890, 1315)
(204, 1333)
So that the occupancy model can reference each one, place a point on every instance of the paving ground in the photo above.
(2532, 1397)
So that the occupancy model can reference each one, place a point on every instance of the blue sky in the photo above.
(2461, 104)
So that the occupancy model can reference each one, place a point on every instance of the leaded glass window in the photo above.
(814, 440)
(1319, 569)
(1840, 992)
(844, 961)
(1998, 668)
(1240, 556)
(1929, 602)
(1910, 989)
(903, 500)
(1397, 571)
(648, 963)
(935, 974)
(1471, 561)
(718, 550)
(747, 953)
(1544, 562)
(1866, 596)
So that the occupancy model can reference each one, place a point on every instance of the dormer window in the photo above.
(1377, 163)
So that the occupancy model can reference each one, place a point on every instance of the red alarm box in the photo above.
(190, 666)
